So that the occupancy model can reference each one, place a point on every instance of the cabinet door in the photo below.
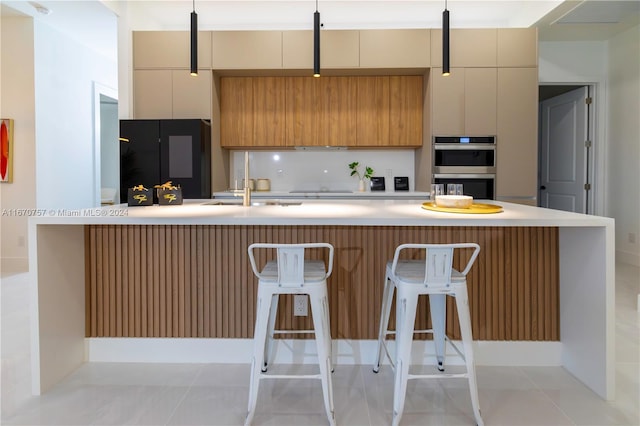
(405, 110)
(338, 49)
(301, 106)
(337, 111)
(191, 95)
(517, 140)
(447, 108)
(517, 47)
(169, 49)
(236, 111)
(395, 48)
(140, 156)
(480, 101)
(244, 50)
(469, 47)
(373, 111)
(268, 111)
(152, 94)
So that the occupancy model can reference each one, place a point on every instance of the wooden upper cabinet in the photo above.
(338, 49)
(269, 111)
(468, 48)
(245, 50)
(373, 111)
(395, 48)
(405, 110)
(447, 103)
(301, 117)
(337, 112)
(517, 47)
(236, 111)
(169, 49)
(517, 138)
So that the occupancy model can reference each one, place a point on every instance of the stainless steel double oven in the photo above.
(469, 160)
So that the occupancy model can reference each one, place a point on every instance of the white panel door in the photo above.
(563, 156)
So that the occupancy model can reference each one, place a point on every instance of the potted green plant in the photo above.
(368, 172)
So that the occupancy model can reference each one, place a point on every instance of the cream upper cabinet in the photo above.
(467, 48)
(169, 49)
(447, 107)
(517, 138)
(480, 101)
(395, 48)
(246, 50)
(517, 47)
(172, 94)
(338, 49)
(152, 98)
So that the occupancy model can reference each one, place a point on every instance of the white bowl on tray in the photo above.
(454, 201)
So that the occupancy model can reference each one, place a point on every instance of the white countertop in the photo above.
(318, 212)
(331, 195)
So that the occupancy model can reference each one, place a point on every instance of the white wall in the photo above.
(17, 102)
(583, 63)
(64, 74)
(624, 142)
(323, 169)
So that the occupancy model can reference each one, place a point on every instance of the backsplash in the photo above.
(321, 170)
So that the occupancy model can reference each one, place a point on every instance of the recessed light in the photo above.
(40, 8)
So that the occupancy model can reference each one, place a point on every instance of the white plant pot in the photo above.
(362, 185)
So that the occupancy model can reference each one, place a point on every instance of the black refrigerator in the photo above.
(153, 152)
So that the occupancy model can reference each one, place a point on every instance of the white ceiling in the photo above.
(90, 22)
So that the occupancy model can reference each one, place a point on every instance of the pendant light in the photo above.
(316, 42)
(194, 40)
(445, 41)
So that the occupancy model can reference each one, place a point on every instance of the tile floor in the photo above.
(206, 394)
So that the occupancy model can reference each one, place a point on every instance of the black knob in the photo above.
(543, 187)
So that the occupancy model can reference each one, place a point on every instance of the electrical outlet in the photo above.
(300, 305)
(632, 238)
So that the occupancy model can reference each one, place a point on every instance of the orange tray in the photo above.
(476, 208)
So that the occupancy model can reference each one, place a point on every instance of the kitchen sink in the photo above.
(253, 203)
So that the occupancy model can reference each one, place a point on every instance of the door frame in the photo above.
(596, 163)
(98, 89)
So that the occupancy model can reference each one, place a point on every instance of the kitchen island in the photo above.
(171, 283)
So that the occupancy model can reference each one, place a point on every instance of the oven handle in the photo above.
(465, 170)
(461, 147)
(464, 176)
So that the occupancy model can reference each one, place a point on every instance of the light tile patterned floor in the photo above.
(216, 394)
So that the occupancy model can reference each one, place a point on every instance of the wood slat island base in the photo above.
(195, 281)
(172, 284)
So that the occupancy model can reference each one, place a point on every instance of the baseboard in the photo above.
(14, 264)
(628, 257)
(234, 351)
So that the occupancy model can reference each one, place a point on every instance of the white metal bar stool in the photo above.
(434, 276)
(291, 273)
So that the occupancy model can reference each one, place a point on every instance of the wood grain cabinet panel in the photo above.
(517, 47)
(247, 50)
(236, 111)
(338, 118)
(373, 111)
(517, 140)
(301, 111)
(409, 48)
(268, 111)
(405, 110)
(169, 49)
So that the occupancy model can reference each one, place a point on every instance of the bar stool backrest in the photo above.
(291, 269)
(438, 263)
